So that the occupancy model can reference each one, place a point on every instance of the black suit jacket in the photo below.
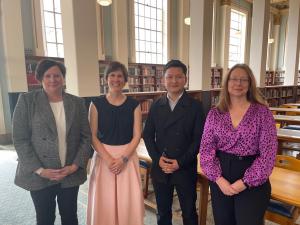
(177, 133)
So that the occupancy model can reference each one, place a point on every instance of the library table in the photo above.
(285, 110)
(285, 188)
(288, 135)
(295, 105)
(289, 120)
(285, 184)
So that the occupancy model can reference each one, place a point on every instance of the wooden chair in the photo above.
(145, 168)
(280, 212)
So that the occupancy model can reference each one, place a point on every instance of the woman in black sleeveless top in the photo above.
(115, 193)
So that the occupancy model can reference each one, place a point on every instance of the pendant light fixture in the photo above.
(104, 2)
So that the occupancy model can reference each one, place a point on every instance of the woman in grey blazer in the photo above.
(51, 135)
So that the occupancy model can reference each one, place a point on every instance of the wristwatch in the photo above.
(125, 159)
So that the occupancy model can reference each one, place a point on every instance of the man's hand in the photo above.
(168, 165)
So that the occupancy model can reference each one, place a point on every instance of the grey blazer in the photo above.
(36, 141)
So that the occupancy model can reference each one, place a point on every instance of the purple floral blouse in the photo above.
(255, 135)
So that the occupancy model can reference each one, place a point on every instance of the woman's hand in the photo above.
(52, 174)
(117, 165)
(226, 187)
(239, 186)
(67, 170)
(58, 174)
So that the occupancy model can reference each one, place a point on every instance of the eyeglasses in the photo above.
(239, 81)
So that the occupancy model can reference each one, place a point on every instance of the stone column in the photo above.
(292, 44)
(200, 44)
(80, 47)
(259, 39)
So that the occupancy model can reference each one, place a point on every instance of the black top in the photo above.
(115, 123)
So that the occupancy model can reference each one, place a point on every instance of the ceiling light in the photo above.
(104, 2)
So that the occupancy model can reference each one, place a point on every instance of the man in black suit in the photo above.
(172, 136)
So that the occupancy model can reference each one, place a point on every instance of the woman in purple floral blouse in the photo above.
(238, 150)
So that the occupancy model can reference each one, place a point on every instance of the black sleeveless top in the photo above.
(115, 123)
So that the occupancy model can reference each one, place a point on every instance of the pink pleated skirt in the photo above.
(115, 199)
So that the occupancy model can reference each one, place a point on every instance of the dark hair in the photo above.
(175, 63)
(253, 94)
(46, 64)
(115, 66)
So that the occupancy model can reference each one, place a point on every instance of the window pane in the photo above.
(153, 46)
(148, 47)
(153, 13)
(153, 36)
(142, 46)
(159, 36)
(60, 50)
(148, 35)
(141, 10)
(148, 58)
(59, 36)
(153, 24)
(147, 11)
(159, 4)
(137, 57)
(159, 14)
(159, 26)
(159, 59)
(137, 46)
(142, 57)
(159, 48)
(48, 5)
(57, 6)
(147, 23)
(142, 22)
(153, 57)
(136, 9)
(49, 19)
(142, 34)
(58, 20)
(153, 3)
(51, 49)
(50, 34)
(136, 21)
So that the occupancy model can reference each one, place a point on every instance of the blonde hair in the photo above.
(253, 94)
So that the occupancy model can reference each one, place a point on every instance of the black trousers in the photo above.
(45, 203)
(245, 208)
(187, 198)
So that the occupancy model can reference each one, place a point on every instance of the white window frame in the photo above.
(243, 30)
(165, 39)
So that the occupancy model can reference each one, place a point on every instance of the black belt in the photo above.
(225, 155)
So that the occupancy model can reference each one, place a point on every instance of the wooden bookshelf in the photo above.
(216, 77)
(31, 63)
(279, 94)
(145, 77)
(274, 78)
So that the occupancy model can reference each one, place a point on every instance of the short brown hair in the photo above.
(253, 94)
(46, 64)
(115, 66)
